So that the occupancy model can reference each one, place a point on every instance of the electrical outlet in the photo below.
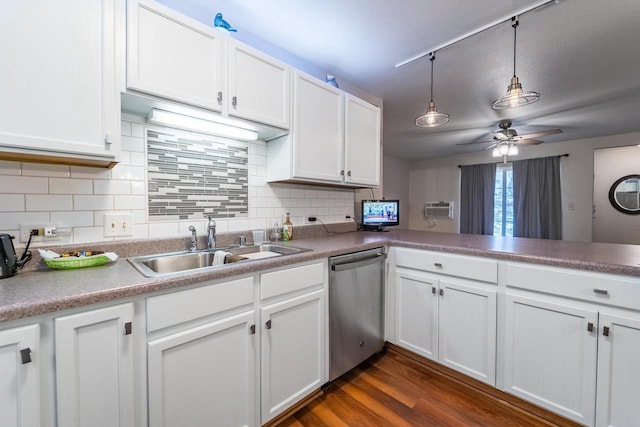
(25, 231)
(118, 224)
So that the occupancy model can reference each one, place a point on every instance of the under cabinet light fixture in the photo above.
(162, 117)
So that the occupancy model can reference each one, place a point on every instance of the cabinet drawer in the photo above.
(183, 306)
(292, 279)
(594, 287)
(485, 270)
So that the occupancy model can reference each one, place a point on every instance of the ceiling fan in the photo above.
(507, 136)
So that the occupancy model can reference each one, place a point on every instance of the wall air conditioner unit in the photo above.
(438, 210)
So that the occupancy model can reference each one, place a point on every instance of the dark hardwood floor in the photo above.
(392, 389)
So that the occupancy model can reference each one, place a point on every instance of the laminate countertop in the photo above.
(41, 290)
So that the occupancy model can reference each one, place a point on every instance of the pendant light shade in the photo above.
(515, 96)
(432, 118)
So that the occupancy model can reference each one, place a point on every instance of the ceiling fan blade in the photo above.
(489, 147)
(528, 142)
(475, 142)
(539, 134)
(500, 135)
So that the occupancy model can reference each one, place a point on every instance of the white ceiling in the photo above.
(583, 56)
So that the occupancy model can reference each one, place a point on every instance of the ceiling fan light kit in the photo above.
(515, 96)
(432, 118)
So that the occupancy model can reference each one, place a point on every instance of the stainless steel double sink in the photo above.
(174, 262)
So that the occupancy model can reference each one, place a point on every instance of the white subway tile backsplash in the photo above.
(23, 185)
(70, 186)
(164, 229)
(137, 130)
(135, 144)
(138, 187)
(133, 173)
(125, 128)
(43, 169)
(12, 202)
(9, 168)
(73, 219)
(92, 173)
(48, 203)
(12, 220)
(129, 202)
(113, 186)
(88, 234)
(93, 203)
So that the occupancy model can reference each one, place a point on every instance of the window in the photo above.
(503, 201)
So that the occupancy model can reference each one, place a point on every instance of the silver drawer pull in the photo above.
(601, 291)
(437, 264)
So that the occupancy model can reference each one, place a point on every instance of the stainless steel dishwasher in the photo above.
(356, 321)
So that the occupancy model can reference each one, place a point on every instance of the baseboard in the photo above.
(292, 410)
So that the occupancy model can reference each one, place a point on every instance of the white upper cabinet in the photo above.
(259, 86)
(334, 138)
(317, 129)
(61, 81)
(175, 57)
(179, 59)
(361, 142)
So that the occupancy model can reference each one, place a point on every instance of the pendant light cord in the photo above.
(515, 26)
(432, 58)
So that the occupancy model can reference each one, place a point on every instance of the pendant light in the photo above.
(515, 96)
(432, 118)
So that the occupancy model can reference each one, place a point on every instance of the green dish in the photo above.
(70, 263)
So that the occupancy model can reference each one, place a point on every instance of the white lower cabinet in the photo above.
(451, 321)
(293, 351)
(550, 351)
(205, 375)
(94, 368)
(618, 371)
(19, 388)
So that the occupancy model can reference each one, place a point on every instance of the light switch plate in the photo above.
(118, 224)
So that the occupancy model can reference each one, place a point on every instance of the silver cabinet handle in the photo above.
(605, 331)
(437, 264)
(268, 324)
(433, 290)
(342, 172)
(219, 96)
(441, 292)
(601, 291)
(590, 327)
(349, 173)
(127, 328)
(234, 101)
(252, 330)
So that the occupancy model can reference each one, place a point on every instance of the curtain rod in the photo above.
(559, 155)
(486, 27)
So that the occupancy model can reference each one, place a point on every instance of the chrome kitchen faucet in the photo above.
(211, 232)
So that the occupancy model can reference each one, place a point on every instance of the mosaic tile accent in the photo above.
(189, 175)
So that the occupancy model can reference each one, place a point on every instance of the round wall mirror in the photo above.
(624, 194)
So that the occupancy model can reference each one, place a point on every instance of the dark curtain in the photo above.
(537, 200)
(477, 188)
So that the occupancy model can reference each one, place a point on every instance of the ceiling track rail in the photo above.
(486, 27)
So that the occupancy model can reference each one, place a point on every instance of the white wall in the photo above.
(77, 197)
(439, 179)
(396, 185)
(609, 224)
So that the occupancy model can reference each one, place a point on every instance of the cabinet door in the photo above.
(173, 56)
(259, 86)
(618, 371)
(550, 355)
(317, 130)
(94, 368)
(361, 142)
(60, 80)
(19, 391)
(204, 376)
(467, 329)
(417, 313)
(293, 351)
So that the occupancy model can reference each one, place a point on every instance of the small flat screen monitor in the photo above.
(377, 214)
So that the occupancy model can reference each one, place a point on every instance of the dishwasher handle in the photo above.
(357, 264)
